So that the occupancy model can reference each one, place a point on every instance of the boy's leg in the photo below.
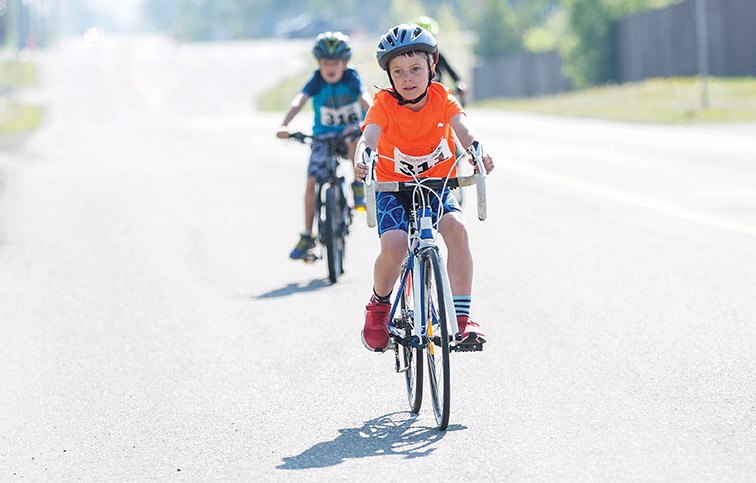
(386, 270)
(309, 204)
(315, 170)
(460, 264)
(306, 240)
(460, 267)
(388, 264)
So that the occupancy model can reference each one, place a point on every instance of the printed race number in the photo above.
(340, 116)
(417, 165)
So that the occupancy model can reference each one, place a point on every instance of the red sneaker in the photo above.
(375, 334)
(470, 330)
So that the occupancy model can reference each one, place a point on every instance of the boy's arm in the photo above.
(444, 64)
(466, 135)
(296, 105)
(369, 139)
(463, 129)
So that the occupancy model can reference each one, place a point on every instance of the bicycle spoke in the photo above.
(413, 359)
(437, 351)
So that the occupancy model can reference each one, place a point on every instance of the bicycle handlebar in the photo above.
(350, 136)
(478, 179)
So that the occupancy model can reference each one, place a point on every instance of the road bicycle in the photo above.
(422, 319)
(331, 205)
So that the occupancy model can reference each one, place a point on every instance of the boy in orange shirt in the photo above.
(410, 126)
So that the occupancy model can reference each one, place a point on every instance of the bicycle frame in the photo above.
(334, 215)
(422, 236)
(332, 178)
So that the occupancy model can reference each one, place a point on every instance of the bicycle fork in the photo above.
(423, 321)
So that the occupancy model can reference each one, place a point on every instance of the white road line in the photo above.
(630, 198)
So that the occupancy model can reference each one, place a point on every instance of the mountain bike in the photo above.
(331, 205)
(422, 319)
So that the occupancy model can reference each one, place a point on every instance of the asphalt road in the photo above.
(152, 327)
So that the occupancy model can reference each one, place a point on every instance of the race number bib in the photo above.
(417, 165)
(340, 116)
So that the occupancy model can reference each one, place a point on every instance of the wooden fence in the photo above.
(654, 43)
(663, 43)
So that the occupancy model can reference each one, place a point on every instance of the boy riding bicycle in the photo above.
(410, 127)
(340, 101)
(458, 86)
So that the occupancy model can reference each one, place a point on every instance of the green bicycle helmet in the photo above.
(427, 23)
(332, 45)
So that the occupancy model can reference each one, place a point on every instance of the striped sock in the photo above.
(462, 304)
(380, 299)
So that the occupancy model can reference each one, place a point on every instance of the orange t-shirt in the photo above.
(419, 143)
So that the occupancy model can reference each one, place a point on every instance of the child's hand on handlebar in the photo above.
(488, 163)
(282, 133)
(362, 167)
(360, 171)
(475, 152)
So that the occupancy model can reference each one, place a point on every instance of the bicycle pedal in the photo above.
(310, 258)
(469, 347)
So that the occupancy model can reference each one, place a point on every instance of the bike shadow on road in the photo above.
(392, 434)
(292, 288)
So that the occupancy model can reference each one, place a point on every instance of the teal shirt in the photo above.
(336, 105)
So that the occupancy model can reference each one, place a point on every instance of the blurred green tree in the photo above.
(588, 49)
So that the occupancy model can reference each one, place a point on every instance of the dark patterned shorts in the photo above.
(391, 209)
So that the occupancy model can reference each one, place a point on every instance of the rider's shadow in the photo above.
(393, 433)
(292, 288)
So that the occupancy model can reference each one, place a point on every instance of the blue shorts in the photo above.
(316, 168)
(391, 209)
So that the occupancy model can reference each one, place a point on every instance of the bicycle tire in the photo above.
(345, 221)
(413, 357)
(331, 235)
(437, 351)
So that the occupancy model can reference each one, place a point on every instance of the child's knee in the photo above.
(394, 245)
(455, 232)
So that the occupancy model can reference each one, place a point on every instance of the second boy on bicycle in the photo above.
(339, 100)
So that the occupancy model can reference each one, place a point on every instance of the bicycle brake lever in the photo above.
(368, 158)
(476, 154)
(298, 136)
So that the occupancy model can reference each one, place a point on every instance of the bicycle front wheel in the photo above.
(413, 356)
(437, 351)
(333, 239)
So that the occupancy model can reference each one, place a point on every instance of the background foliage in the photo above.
(581, 30)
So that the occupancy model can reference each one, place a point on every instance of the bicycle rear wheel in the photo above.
(437, 352)
(413, 357)
(334, 241)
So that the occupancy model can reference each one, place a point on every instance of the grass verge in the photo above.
(17, 118)
(661, 101)
(665, 101)
(278, 97)
(17, 75)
